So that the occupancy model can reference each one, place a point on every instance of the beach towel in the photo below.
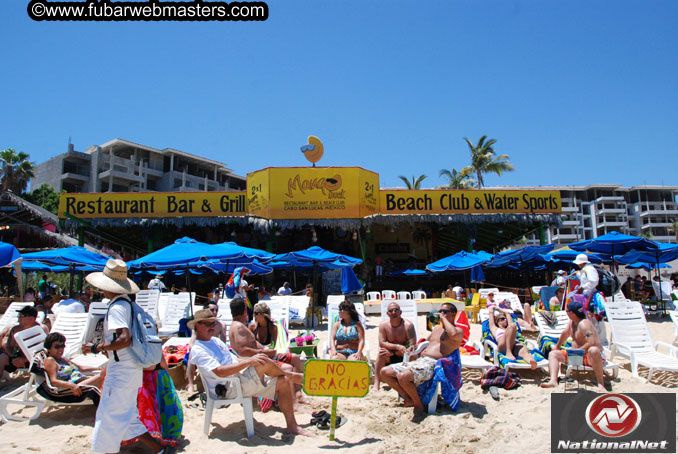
(461, 321)
(503, 360)
(546, 344)
(501, 378)
(447, 372)
(60, 395)
(233, 284)
(160, 409)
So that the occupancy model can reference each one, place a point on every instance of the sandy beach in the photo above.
(376, 424)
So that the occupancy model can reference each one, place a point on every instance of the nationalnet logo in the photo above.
(613, 415)
(614, 423)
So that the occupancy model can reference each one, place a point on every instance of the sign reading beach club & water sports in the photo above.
(153, 204)
(336, 378)
(313, 192)
(469, 201)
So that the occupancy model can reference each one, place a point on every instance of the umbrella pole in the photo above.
(188, 286)
(70, 287)
(660, 289)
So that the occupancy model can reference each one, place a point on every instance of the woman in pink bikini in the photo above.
(504, 330)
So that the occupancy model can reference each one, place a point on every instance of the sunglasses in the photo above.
(393, 310)
(445, 311)
(59, 346)
(207, 323)
(259, 313)
(502, 319)
(214, 310)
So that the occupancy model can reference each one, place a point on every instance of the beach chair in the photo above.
(418, 295)
(491, 348)
(631, 339)
(409, 312)
(298, 308)
(404, 296)
(373, 296)
(280, 310)
(11, 315)
(665, 290)
(388, 295)
(549, 335)
(215, 402)
(177, 308)
(163, 299)
(148, 301)
(674, 319)
(333, 316)
(545, 295)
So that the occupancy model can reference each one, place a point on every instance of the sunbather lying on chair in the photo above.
(504, 331)
(405, 377)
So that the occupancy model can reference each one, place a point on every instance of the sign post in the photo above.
(336, 379)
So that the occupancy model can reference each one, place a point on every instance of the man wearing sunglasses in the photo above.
(405, 377)
(219, 332)
(397, 336)
(259, 375)
(11, 356)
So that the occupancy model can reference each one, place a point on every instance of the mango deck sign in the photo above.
(336, 378)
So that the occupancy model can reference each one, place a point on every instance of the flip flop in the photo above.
(326, 423)
(319, 414)
(494, 392)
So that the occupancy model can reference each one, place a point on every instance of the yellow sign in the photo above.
(314, 150)
(469, 201)
(313, 193)
(153, 204)
(336, 378)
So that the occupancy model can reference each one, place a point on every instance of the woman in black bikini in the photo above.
(265, 331)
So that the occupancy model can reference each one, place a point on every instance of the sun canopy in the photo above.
(458, 262)
(8, 254)
(647, 266)
(614, 243)
(187, 250)
(528, 256)
(74, 256)
(665, 252)
(316, 255)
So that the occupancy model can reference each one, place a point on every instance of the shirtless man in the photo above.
(405, 377)
(397, 336)
(219, 333)
(585, 338)
(244, 343)
(11, 356)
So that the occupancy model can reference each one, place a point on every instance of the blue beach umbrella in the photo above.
(186, 250)
(409, 272)
(349, 281)
(647, 266)
(70, 256)
(8, 254)
(457, 262)
(521, 258)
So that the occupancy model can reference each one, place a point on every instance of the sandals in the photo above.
(494, 392)
(323, 421)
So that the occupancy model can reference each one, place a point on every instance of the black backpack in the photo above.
(609, 283)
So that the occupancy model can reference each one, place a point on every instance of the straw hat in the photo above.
(113, 279)
(581, 258)
(201, 316)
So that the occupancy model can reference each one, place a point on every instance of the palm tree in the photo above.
(484, 160)
(15, 170)
(414, 184)
(674, 227)
(457, 180)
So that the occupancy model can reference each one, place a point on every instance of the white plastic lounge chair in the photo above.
(409, 312)
(388, 295)
(631, 339)
(373, 296)
(11, 315)
(280, 310)
(554, 331)
(163, 299)
(177, 308)
(298, 308)
(493, 350)
(214, 402)
(404, 296)
(418, 295)
(674, 318)
(148, 301)
(75, 328)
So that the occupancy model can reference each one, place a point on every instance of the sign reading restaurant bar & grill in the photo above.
(153, 204)
(308, 193)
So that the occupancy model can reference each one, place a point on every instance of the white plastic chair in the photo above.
(280, 310)
(74, 327)
(214, 402)
(631, 339)
(418, 295)
(11, 315)
(388, 295)
(298, 306)
(404, 296)
(163, 300)
(373, 296)
(30, 341)
(554, 331)
(177, 308)
(148, 301)
(408, 311)
(674, 319)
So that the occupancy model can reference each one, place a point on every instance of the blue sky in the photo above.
(576, 92)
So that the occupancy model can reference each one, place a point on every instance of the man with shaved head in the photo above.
(397, 336)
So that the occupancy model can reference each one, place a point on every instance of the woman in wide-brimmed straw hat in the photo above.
(117, 417)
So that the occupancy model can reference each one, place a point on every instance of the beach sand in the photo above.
(376, 424)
